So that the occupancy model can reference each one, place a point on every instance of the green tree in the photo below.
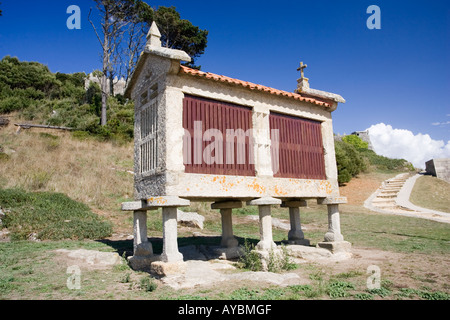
(349, 162)
(177, 33)
(356, 141)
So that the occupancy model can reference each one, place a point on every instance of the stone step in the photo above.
(382, 200)
(406, 209)
(394, 207)
(396, 180)
(388, 193)
(394, 184)
(392, 189)
(384, 204)
(387, 196)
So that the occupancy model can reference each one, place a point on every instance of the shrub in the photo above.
(249, 258)
(52, 216)
(14, 103)
(349, 161)
(339, 289)
(277, 260)
(383, 163)
(356, 141)
(148, 284)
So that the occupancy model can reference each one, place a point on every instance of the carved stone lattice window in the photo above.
(149, 131)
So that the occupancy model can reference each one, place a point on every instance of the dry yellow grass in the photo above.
(89, 171)
(432, 193)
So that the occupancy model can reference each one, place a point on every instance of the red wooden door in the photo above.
(218, 137)
(299, 153)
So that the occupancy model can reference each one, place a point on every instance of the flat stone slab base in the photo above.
(227, 253)
(141, 263)
(308, 253)
(336, 247)
(302, 242)
(165, 269)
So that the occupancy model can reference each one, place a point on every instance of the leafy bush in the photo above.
(339, 289)
(277, 261)
(250, 259)
(52, 216)
(349, 161)
(62, 100)
(356, 141)
(14, 103)
(353, 157)
(384, 163)
(148, 284)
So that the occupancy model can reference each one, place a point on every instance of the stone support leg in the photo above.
(334, 224)
(296, 235)
(265, 222)
(170, 236)
(228, 239)
(141, 246)
(265, 229)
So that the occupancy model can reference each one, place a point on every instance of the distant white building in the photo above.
(364, 136)
(119, 85)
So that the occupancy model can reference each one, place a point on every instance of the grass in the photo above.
(51, 216)
(432, 193)
(88, 171)
(55, 177)
(28, 269)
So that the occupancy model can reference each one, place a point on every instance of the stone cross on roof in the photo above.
(301, 69)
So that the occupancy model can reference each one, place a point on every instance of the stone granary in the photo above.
(206, 137)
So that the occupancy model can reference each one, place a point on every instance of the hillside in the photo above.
(96, 173)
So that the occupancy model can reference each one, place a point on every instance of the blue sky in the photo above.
(397, 75)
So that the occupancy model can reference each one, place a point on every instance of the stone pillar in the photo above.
(265, 222)
(170, 236)
(169, 205)
(228, 239)
(334, 224)
(141, 246)
(334, 240)
(295, 235)
(226, 208)
(142, 249)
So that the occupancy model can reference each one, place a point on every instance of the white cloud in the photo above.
(440, 123)
(403, 144)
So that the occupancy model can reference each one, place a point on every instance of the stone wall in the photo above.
(439, 168)
(364, 136)
(119, 85)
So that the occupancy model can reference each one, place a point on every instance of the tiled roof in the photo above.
(252, 86)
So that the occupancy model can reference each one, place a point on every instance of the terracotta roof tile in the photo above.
(252, 86)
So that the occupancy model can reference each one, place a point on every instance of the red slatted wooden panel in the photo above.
(221, 116)
(300, 149)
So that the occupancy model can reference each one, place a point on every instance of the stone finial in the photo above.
(154, 36)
